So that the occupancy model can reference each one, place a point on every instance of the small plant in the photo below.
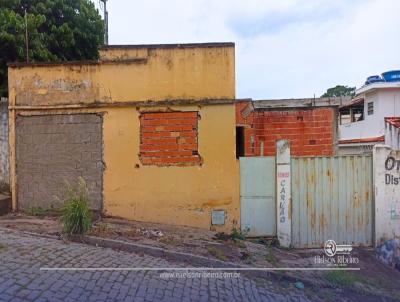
(217, 253)
(270, 256)
(101, 229)
(76, 215)
(240, 244)
(222, 236)
(239, 234)
(36, 211)
(245, 255)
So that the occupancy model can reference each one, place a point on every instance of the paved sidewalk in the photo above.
(22, 256)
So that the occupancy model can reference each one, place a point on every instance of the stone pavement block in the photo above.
(106, 286)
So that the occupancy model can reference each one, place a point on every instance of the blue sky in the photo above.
(284, 48)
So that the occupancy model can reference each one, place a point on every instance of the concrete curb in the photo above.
(190, 259)
(195, 260)
(30, 233)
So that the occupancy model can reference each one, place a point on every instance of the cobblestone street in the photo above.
(22, 256)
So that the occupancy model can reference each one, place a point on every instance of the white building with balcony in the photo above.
(372, 117)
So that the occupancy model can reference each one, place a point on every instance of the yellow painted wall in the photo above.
(170, 73)
(178, 195)
(175, 195)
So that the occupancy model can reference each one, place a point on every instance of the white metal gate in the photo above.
(257, 195)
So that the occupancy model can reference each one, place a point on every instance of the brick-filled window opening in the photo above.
(169, 138)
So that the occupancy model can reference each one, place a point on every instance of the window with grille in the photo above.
(370, 108)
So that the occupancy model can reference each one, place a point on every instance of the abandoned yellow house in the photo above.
(151, 128)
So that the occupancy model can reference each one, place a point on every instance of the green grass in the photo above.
(270, 256)
(343, 278)
(238, 234)
(36, 211)
(217, 253)
(2, 247)
(240, 243)
(42, 212)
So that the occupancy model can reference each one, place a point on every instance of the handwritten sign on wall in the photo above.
(283, 200)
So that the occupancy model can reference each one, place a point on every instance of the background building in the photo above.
(310, 125)
(370, 117)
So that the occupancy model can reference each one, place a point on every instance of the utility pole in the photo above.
(26, 38)
(105, 22)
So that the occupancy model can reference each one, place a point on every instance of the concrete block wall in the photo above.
(4, 163)
(310, 132)
(54, 149)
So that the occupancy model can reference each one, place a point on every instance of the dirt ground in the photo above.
(373, 279)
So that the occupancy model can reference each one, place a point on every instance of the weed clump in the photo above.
(75, 214)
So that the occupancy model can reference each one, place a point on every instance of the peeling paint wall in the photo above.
(387, 193)
(172, 194)
(122, 87)
(4, 170)
(166, 74)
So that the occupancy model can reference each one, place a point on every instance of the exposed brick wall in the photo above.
(240, 107)
(311, 132)
(169, 138)
(53, 149)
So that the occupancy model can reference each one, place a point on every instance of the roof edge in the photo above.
(376, 139)
(175, 45)
(301, 102)
(77, 63)
(54, 63)
(377, 85)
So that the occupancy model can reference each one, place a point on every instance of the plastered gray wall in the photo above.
(4, 165)
(54, 149)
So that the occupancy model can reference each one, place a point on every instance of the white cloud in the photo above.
(286, 48)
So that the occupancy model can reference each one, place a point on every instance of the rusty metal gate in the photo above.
(332, 198)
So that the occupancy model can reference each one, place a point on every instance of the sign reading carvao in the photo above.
(387, 193)
(283, 190)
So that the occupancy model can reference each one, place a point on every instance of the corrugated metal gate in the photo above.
(257, 195)
(332, 199)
